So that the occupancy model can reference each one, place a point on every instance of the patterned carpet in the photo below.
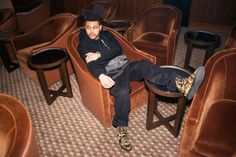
(68, 129)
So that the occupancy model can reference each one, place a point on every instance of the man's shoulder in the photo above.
(106, 34)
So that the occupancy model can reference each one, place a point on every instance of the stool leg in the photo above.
(44, 86)
(179, 115)
(188, 55)
(150, 111)
(208, 54)
(65, 80)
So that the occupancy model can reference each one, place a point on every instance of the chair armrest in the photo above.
(135, 30)
(38, 35)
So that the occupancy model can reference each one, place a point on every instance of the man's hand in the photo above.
(106, 81)
(91, 56)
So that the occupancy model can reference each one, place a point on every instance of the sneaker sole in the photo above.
(200, 73)
(124, 148)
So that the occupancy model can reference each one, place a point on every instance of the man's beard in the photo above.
(94, 36)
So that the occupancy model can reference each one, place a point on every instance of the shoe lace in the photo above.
(123, 136)
(184, 84)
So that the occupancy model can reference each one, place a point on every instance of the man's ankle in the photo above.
(123, 138)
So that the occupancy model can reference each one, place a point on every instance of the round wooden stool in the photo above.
(154, 91)
(48, 59)
(202, 40)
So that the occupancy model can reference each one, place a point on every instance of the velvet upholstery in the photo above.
(231, 40)
(17, 138)
(94, 96)
(155, 31)
(7, 19)
(30, 19)
(210, 127)
(51, 33)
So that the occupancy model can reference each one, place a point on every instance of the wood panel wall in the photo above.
(129, 9)
(204, 13)
(219, 14)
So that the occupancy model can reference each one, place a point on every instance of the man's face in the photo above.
(92, 29)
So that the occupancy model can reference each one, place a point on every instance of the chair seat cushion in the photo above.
(218, 137)
(151, 42)
(24, 53)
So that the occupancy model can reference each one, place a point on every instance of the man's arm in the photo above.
(111, 46)
(106, 81)
(90, 59)
(92, 56)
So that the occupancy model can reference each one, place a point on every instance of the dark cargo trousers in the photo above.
(137, 71)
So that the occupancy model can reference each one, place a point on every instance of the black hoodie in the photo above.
(107, 45)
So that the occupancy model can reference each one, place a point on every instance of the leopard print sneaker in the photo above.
(124, 139)
(188, 86)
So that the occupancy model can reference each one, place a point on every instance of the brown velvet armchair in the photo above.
(155, 31)
(94, 96)
(28, 20)
(210, 127)
(7, 22)
(17, 138)
(51, 33)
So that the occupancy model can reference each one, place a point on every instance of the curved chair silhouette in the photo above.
(7, 19)
(231, 40)
(17, 137)
(94, 96)
(29, 19)
(210, 126)
(51, 33)
(155, 31)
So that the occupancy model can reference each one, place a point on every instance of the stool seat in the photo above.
(161, 90)
(48, 59)
(200, 39)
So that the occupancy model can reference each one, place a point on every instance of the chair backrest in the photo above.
(160, 18)
(16, 133)
(210, 124)
(7, 19)
(30, 19)
(49, 30)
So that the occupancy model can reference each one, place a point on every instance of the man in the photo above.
(104, 59)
